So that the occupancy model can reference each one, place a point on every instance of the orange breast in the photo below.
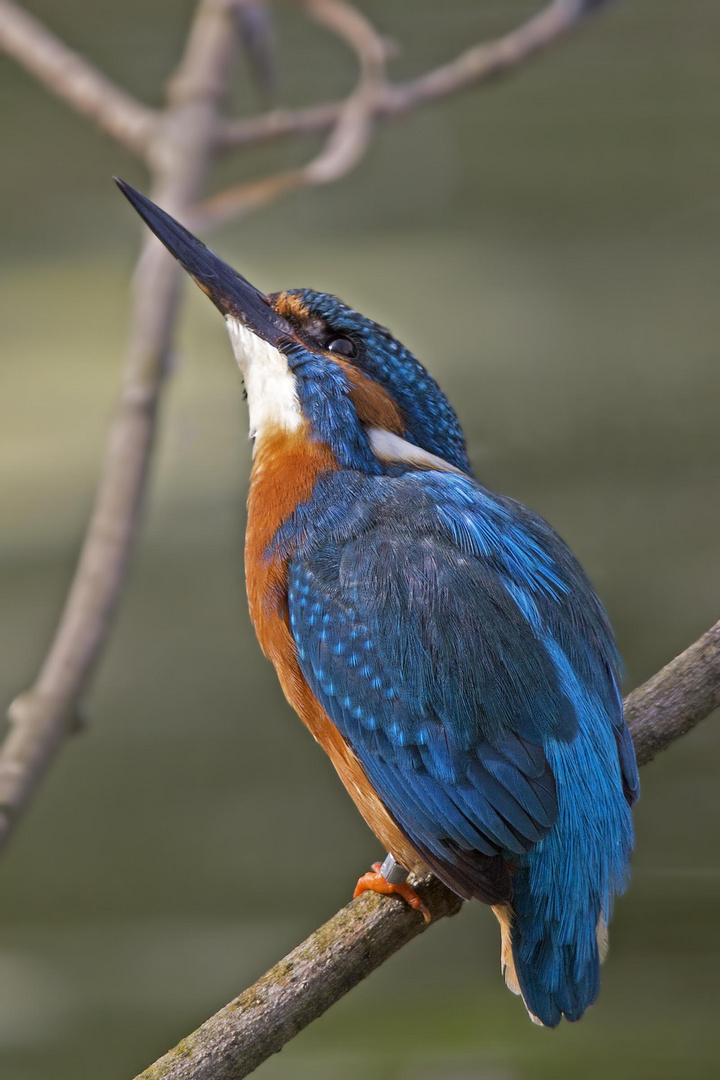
(285, 471)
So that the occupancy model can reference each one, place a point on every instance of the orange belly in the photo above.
(284, 474)
(348, 767)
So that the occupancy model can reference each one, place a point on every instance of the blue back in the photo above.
(458, 646)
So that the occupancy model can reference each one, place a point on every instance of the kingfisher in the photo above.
(440, 641)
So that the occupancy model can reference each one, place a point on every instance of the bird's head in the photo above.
(310, 362)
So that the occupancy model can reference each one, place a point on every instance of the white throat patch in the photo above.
(271, 390)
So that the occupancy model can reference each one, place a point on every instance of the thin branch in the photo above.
(479, 64)
(494, 58)
(365, 933)
(349, 138)
(75, 80)
(180, 155)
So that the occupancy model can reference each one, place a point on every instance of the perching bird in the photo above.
(440, 641)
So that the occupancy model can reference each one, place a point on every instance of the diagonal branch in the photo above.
(479, 64)
(179, 155)
(365, 933)
(349, 137)
(75, 80)
(301, 987)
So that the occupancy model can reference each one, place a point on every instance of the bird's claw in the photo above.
(374, 881)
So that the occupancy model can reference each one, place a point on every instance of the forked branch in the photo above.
(180, 154)
(349, 137)
(479, 64)
(178, 144)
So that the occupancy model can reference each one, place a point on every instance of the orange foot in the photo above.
(375, 882)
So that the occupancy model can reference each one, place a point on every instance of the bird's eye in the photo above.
(344, 346)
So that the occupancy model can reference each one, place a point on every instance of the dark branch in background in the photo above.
(258, 1023)
(177, 145)
(256, 33)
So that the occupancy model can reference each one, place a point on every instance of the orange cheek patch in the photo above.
(373, 404)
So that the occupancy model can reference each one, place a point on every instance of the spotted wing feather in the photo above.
(424, 661)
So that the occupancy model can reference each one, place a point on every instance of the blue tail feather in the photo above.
(557, 977)
(567, 883)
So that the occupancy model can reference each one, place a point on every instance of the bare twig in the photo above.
(494, 58)
(476, 65)
(72, 78)
(179, 156)
(365, 933)
(349, 137)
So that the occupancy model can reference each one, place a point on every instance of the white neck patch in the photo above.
(391, 449)
(271, 389)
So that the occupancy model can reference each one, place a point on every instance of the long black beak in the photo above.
(231, 293)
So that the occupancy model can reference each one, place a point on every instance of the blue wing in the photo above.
(434, 631)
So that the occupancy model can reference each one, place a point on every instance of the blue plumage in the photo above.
(459, 648)
(446, 632)
(430, 418)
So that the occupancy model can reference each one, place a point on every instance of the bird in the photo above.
(439, 640)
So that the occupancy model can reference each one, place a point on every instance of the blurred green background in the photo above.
(550, 248)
